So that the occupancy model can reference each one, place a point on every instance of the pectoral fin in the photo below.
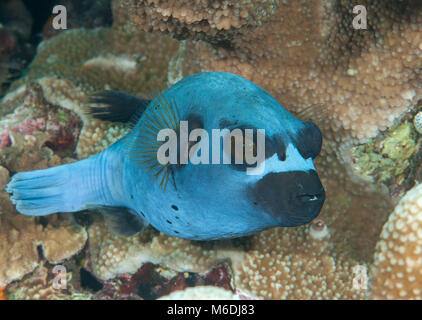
(123, 221)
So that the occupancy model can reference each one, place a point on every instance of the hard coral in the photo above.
(40, 286)
(21, 236)
(275, 264)
(112, 255)
(37, 132)
(214, 21)
(293, 264)
(397, 270)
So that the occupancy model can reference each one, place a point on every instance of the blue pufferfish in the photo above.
(132, 189)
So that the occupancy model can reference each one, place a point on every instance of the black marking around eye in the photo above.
(277, 145)
(308, 140)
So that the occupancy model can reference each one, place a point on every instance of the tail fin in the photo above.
(66, 188)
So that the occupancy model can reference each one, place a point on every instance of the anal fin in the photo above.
(122, 221)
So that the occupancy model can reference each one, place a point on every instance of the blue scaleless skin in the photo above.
(193, 201)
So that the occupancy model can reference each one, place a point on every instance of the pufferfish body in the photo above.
(198, 201)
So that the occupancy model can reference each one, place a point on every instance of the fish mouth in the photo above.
(293, 198)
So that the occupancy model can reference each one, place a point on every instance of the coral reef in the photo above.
(214, 21)
(397, 269)
(360, 86)
(39, 286)
(23, 239)
(81, 14)
(112, 255)
(275, 264)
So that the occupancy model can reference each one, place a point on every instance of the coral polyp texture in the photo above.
(397, 265)
(363, 88)
(58, 237)
(214, 21)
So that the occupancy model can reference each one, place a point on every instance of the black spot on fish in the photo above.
(277, 145)
(308, 140)
(174, 207)
(169, 222)
(176, 231)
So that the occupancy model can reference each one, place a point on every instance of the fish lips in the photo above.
(292, 198)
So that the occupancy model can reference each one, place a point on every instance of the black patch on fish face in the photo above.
(273, 145)
(308, 140)
(292, 198)
(277, 145)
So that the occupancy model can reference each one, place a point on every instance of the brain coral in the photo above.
(397, 270)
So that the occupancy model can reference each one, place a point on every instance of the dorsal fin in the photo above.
(122, 221)
(117, 106)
